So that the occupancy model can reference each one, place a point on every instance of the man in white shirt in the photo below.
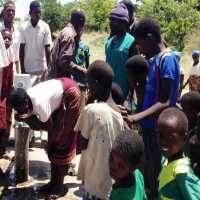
(8, 16)
(35, 43)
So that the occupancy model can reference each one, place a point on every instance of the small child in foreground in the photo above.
(125, 157)
(190, 103)
(176, 179)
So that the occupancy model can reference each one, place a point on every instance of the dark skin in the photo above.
(95, 93)
(35, 15)
(119, 29)
(25, 113)
(171, 138)
(9, 15)
(150, 47)
(195, 62)
(7, 36)
(120, 170)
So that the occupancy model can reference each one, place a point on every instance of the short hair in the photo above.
(130, 146)
(191, 99)
(177, 116)
(148, 26)
(77, 18)
(6, 30)
(117, 94)
(34, 5)
(129, 4)
(8, 3)
(101, 72)
(137, 64)
(17, 97)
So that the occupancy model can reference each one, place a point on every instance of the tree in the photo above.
(177, 18)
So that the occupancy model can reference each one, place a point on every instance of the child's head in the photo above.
(20, 101)
(190, 103)
(172, 127)
(126, 155)
(148, 36)
(99, 77)
(137, 69)
(195, 56)
(7, 36)
(117, 94)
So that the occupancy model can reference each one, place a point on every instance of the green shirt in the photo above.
(135, 192)
(117, 54)
(178, 182)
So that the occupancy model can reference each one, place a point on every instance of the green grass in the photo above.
(96, 42)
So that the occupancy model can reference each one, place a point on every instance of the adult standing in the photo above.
(120, 47)
(53, 106)
(8, 16)
(65, 48)
(35, 44)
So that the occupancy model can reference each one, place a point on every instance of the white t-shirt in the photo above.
(100, 124)
(46, 97)
(195, 70)
(3, 53)
(35, 39)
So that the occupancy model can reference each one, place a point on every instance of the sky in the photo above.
(22, 7)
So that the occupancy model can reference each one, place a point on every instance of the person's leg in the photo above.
(152, 162)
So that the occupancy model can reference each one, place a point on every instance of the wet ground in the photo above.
(39, 172)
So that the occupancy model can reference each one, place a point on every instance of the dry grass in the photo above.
(96, 42)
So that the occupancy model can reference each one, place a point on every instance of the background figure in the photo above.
(8, 16)
(35, 44)
(82, 59)
(119, 19)
(6, 84)
(190, 103)
(65, 48)
(194, 74)
(55, 111)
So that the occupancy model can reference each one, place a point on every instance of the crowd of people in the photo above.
(138, 136)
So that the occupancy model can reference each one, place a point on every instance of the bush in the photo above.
(177, 18)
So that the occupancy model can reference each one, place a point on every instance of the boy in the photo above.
(161, 91)
(98, 125)
(137, 70)
(176, 180)
(52, 106)
(190, 103)
(6, 82)
(125, 157)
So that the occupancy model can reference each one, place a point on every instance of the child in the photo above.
(194, 74)
(98, 125)
(190, 103)
(176, 180)
(82, 59)
(161, 91)
(137, 70)
(117, 94)
(125, 157)
(6, 82)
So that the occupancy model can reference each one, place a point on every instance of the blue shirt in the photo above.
(169, 69)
